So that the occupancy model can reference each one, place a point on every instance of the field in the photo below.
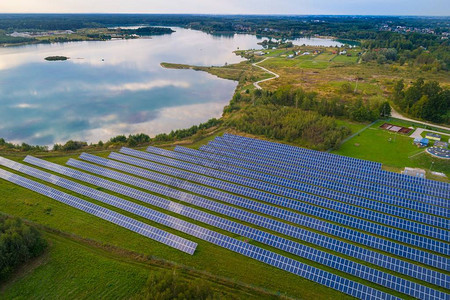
(395, 151)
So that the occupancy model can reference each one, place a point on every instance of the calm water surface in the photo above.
(115, 87)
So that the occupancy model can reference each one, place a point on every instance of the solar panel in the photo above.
(146, 230)
(310, 177)
(246, 249)
(308, 159)
(248, 142)
(389, 232)
(280, 148)
(303, 220)
(308, 236)
(268, 159)
(316, 255)
(375, 216)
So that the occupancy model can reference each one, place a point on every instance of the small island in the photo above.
(146, 31)
(56, 58)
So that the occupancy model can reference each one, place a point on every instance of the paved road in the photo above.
(396, 115)
(256, 84)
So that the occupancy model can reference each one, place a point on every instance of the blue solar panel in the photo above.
(312, 177)
(151, 232)
(317, 162)
(316, 255)
(399, 235)
(246, 249)
(397, 211)
(349, 234)
(299, 167)
(389, 177)
(308, 236)
(248, 142)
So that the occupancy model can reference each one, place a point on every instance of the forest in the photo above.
(423, 100)
(293, 115)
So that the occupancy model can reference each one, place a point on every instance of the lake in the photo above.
(115, 87)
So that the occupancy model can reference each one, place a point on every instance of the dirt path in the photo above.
(256, 84)
(396, 115)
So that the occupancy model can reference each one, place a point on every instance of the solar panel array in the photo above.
(253, 185)
(303, 220)
(310, 177)
(342, 213)
(403, 213)
(154, 233)
(316, 255)
(326, 278)
(234, 143)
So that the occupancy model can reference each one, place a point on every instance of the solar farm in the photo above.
(337, 221)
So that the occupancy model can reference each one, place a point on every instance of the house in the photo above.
(259, 53)
(433, 136)
(306, 53)
(343, 52)
(424, 142)
(291, 56)
(421, 142)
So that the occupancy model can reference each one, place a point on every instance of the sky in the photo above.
(292, 7)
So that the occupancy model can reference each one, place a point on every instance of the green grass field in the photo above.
(80, 269)
(394, 150)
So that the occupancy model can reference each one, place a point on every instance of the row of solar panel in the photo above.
(272, 160)
(106, 214)
(317, 161)
(344, 219)
(296, 232)
(341, 264)
(390, 175)
(373, 205)
(246, 249)
(291, 179)
(314, 153)
(316, 224)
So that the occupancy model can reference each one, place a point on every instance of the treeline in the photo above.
(6, 39)
(21, 147)
(287, 96)
(423, 100)
(18, 244)
(428, 51)
(134, 140)
(169, 286)
(147, 31)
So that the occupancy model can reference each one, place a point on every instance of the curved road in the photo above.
(396, 115)
(256, 84)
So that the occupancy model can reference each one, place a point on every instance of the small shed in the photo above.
(424, 142)
(433, 136)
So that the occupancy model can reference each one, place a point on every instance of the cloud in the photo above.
(145, 86)
(25, 106)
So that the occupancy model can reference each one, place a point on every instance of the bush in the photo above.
(18, 244)
(169, 286)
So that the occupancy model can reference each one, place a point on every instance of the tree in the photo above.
(385, 109)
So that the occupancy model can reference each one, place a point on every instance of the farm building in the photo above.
(433, 136)
(421, 142)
